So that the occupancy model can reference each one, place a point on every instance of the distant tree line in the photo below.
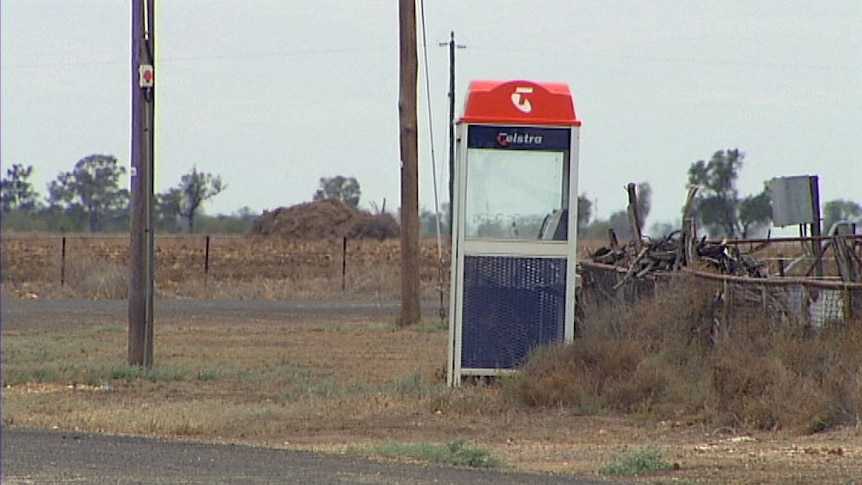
(718, 209)
(89, 198)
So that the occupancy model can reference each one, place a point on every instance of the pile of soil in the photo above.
(325, 219)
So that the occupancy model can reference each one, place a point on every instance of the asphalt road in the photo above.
(17, 314)
(63, 457)
(59, 457)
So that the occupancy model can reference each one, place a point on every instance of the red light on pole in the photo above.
(146, 76)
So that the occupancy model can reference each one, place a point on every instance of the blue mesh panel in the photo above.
(511, 304)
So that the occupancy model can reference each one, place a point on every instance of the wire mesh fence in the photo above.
(811, 302)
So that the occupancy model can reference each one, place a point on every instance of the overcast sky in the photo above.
(272, 95)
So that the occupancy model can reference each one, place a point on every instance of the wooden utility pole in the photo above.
(142, 176)
(452, 47)
(408, 68)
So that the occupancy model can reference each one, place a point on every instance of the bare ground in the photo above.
(384, 384)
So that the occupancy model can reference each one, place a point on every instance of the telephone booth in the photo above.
(514, 238)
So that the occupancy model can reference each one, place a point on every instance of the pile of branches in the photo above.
(645, 256)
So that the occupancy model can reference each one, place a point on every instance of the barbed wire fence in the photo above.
(199, 265)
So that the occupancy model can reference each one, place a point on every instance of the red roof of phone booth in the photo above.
(523, 102)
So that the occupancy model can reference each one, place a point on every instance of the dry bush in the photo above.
(97, 279)
(758, 391)
(832, 362)
(577, 375)
(682, 354)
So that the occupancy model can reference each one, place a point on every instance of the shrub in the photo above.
(96, 279)
(636, 462)
(669, 356)
(455, 452)
(577, 374)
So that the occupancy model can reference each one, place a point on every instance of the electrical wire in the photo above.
(184, 59)
(433, 155)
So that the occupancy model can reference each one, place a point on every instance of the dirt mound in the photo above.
(324, 219)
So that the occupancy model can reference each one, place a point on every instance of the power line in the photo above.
(546, 52)
(442, 310)
(162, 60)
(669, 59)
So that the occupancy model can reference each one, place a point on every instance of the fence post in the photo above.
(63, 262)
(343, 264)
(207, 260)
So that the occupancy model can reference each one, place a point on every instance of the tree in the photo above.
(644, 191)
(428, 222)
(841, 210)
(662, 229)
(345, 189)
(167, 216)
(717, 206)
(194, 188)
(16, 191)
(585, 212)
(91, 191)
(755, 213)
(618, 221)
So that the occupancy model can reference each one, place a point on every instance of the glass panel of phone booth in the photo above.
(516, 195)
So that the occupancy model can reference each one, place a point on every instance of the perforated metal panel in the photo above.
(511, 305)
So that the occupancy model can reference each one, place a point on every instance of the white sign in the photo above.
(792, 200)
(146, 76)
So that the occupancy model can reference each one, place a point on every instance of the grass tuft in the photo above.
(411, 385)
(131, 373)
(207, 375)
(455, 452)
(636, 462)
(432, 326)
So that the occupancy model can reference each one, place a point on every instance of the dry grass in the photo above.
(331, 383)
(214, 381)
(666, 359)
(235, 268)
(334, 382)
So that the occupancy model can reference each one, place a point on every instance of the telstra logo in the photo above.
(505, 139)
